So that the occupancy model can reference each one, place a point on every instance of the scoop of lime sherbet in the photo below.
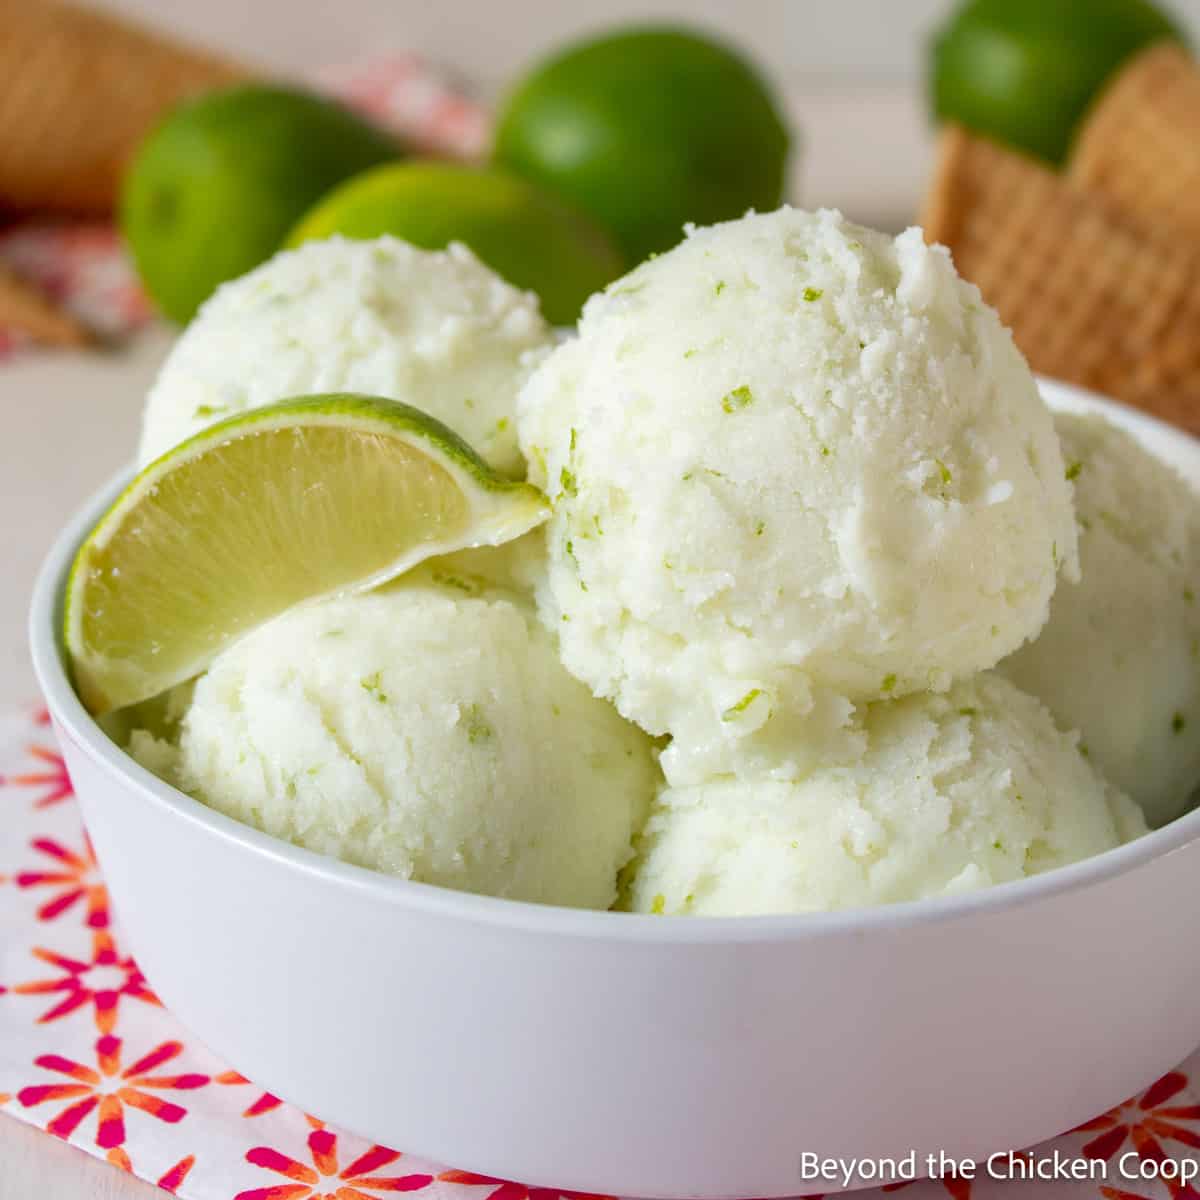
(427, 731)
(1119, 659)
(954, 791)
(438, 330)
(795, 463)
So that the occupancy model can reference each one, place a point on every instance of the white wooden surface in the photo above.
(67, 422)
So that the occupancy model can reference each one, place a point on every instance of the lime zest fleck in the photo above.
(690, 353)
(968, 710)
(825, 452)
(719, 288)
(889, 682)
(658, 905)
(759, 527)
(373, 685)
(812, 293)
(737, 399)
(476, 724)
(568, 486)
(1178, 723)
(944, 473)
(744, 703)
(456, 582)
(1189, 596)
(209, 410)
(569, 547)
(1073, 470)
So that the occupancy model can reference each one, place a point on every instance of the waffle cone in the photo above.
(24, 308)
(78, 90)
(1140, 145)
(1089, 297)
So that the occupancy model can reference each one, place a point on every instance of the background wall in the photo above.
(490, 40)
(846, 70)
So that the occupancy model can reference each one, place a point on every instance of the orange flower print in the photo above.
(264, 1104)
(1146, 1121)
(100, 982)
(172, 1179)
(108, 1091)
(74, 877)
(53, 778)
(502, 1189)
(323, 1180)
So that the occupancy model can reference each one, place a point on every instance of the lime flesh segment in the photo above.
(289, 503)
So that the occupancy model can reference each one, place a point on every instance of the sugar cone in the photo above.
(78, 89)
(1089, 298)
(24, 308)
(1140, 145)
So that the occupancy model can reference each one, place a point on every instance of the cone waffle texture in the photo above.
(24, 308)
(1089, 298)
(1140, 145)
(78, 89)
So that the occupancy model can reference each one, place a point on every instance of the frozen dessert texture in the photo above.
(795, 464)
(438, 330)
(955, 791)
(1119, 659)
(426, 730)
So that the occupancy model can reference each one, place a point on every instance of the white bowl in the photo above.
(639, 1055)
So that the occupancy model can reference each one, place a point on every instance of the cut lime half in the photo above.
(274, 507)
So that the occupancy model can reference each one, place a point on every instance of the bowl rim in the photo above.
(79, 726)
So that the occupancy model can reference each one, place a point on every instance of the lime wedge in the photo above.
(283, 504)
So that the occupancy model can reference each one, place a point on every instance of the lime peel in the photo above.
(271, 508)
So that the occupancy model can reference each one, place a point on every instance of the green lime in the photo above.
(647, 129)
(1025, 71)
(215, 187)
(531, 237)
(283, 504)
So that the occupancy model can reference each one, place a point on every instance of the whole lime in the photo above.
(1025, 71)
(215, 187)
(530, 236)
(647, 129)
